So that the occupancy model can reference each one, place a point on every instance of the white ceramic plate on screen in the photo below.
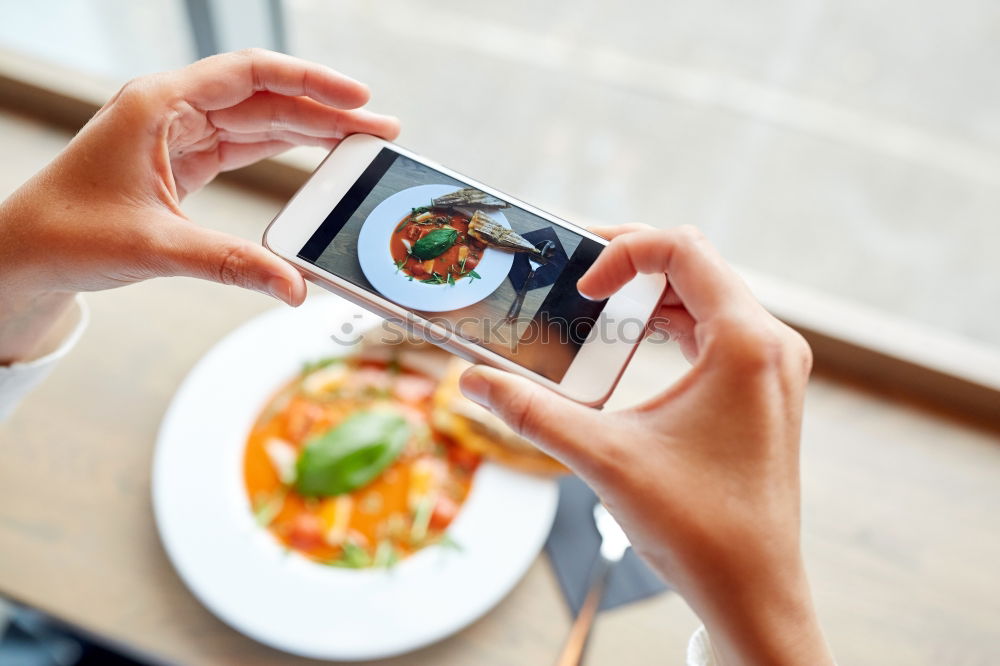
(241, 573)
(379, 268)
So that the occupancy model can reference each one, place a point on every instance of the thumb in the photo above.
(566, 430)
(212, 255)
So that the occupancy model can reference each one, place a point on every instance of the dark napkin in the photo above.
(573, 547)
(547, 273)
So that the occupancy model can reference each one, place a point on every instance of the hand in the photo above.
(106, 212)
(704, 477)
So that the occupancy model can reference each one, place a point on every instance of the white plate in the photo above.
(379, 268)
(241, 573)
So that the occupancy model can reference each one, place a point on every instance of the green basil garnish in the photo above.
(352, 454)
(434, 244)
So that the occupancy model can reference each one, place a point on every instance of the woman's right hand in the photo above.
(703, 477)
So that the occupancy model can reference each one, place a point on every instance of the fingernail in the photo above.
(280, 289)
(585, 295)
(475, 387)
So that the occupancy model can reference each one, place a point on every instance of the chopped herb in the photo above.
(461, 267)
(447, 542)
(312, 366)
(352, 556)
(402, 225)
(267, 508)
(474, 275)
(451, 279)
(401, 263)
(421, 520)
(385, 555)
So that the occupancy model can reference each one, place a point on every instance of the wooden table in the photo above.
(900, 505)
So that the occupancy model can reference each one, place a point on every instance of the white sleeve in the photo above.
(699, 652)
(17, 379)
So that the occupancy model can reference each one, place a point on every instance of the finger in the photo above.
(212, 143)
(613, 231)
(233, 155)
(559, 426)
(267, 111)
(227, 79)
(212, 255)
(670, 297)
(702, 280)
(678, 324)
(198, 167)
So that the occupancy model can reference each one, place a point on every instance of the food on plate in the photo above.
(434, 246)
(352, 454)
(485, 229)
(344, 466)
(453, 415)
(469, 197)
(441, 244)
(479, 431)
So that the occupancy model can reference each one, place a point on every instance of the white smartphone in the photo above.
(468, 268)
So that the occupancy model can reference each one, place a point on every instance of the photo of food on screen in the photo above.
(492, 272)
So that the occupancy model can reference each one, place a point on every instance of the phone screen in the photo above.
(482, 268)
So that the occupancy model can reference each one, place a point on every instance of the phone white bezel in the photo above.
(598, 364)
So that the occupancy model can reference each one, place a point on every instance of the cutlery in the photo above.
(614, 543)
(536, 262)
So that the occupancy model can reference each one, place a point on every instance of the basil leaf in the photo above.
(352, 454)
(434, 244)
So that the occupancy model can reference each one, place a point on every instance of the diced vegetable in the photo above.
(306, 532)
(352, 454)
(325, 380)
(445, 510)
(300, 418)
(335, 512)
(267, 507)
(352, 557)
(413, 389)
(427, 474)
(283, 456)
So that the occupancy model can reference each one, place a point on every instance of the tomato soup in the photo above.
(455, 257)
(405, 506)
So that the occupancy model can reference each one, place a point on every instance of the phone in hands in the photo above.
(473, 270)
